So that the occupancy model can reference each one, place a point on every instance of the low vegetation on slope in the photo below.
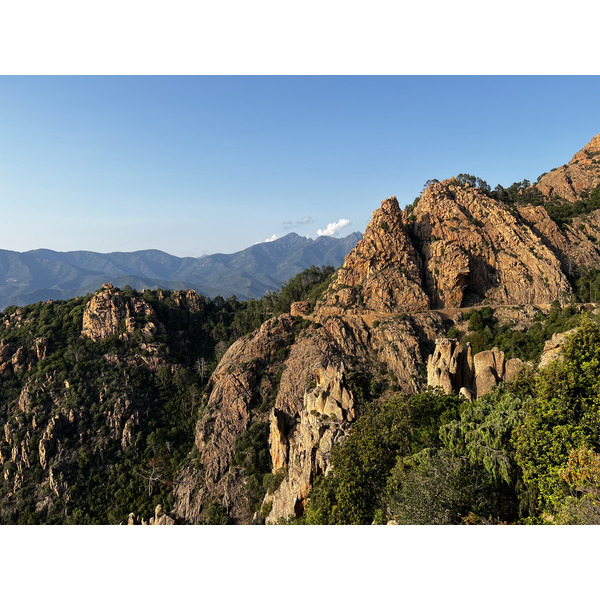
(484, 331)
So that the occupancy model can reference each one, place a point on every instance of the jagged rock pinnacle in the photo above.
(383, 272)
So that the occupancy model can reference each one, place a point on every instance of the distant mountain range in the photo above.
(27, 277)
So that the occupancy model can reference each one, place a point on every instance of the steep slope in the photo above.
(304, 380)
(384, 272)
(97, 403)
(102, 397)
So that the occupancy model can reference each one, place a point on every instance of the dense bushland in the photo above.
(525, 453)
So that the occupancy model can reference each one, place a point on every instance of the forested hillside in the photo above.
(96, 426)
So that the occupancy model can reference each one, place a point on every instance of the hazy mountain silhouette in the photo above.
(28, 277)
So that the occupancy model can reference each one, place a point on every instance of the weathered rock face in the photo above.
(450, 366)
(403, 344)
(299, 309)
(553, 348)
(6, 352)
(581, 174)
(48, 443)
(383, 272)
(313, 408)
(110, 313)
(456, 248)
(489, 370)
(303, 449)
(572, 245)
(454, 368)
(188, 300)
(159, 518)
(19, 359)
(475, 251)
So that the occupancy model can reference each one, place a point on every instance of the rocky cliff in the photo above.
(313, 403)
(476, 250)
(93, 410)
(455, 368)
(110, 313)
(384, 272)
(102, 397)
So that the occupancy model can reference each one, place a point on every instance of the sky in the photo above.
(202, 164)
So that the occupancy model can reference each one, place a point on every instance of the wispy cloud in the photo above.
(302, 221)
(333, 228)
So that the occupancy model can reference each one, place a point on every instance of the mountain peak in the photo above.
(383, 272)
(390, 206)
(581, 174)
(589, 150)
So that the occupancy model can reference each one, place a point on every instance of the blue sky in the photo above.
(194, 165)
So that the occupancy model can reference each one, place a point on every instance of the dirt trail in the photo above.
(451, 313)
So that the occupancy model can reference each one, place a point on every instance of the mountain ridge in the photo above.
(44, 274)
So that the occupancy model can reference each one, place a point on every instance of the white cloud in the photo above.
(274, 237)
(333, 228)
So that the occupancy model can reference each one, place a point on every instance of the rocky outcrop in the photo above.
(553, 348)
(454, 368)
(25, 399)
(383, 272)
(572, 244)
(450, 366)
(476, 251)
(159, 518)
(48, 444)
(111, 313)
(188, 300)
(581, 174)
(242, 382)
(402, 345)
(313, 405)
(300, 309)
(6, 352)
(20, 359)
(302, 446)
(488, 370)
(457, 247)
